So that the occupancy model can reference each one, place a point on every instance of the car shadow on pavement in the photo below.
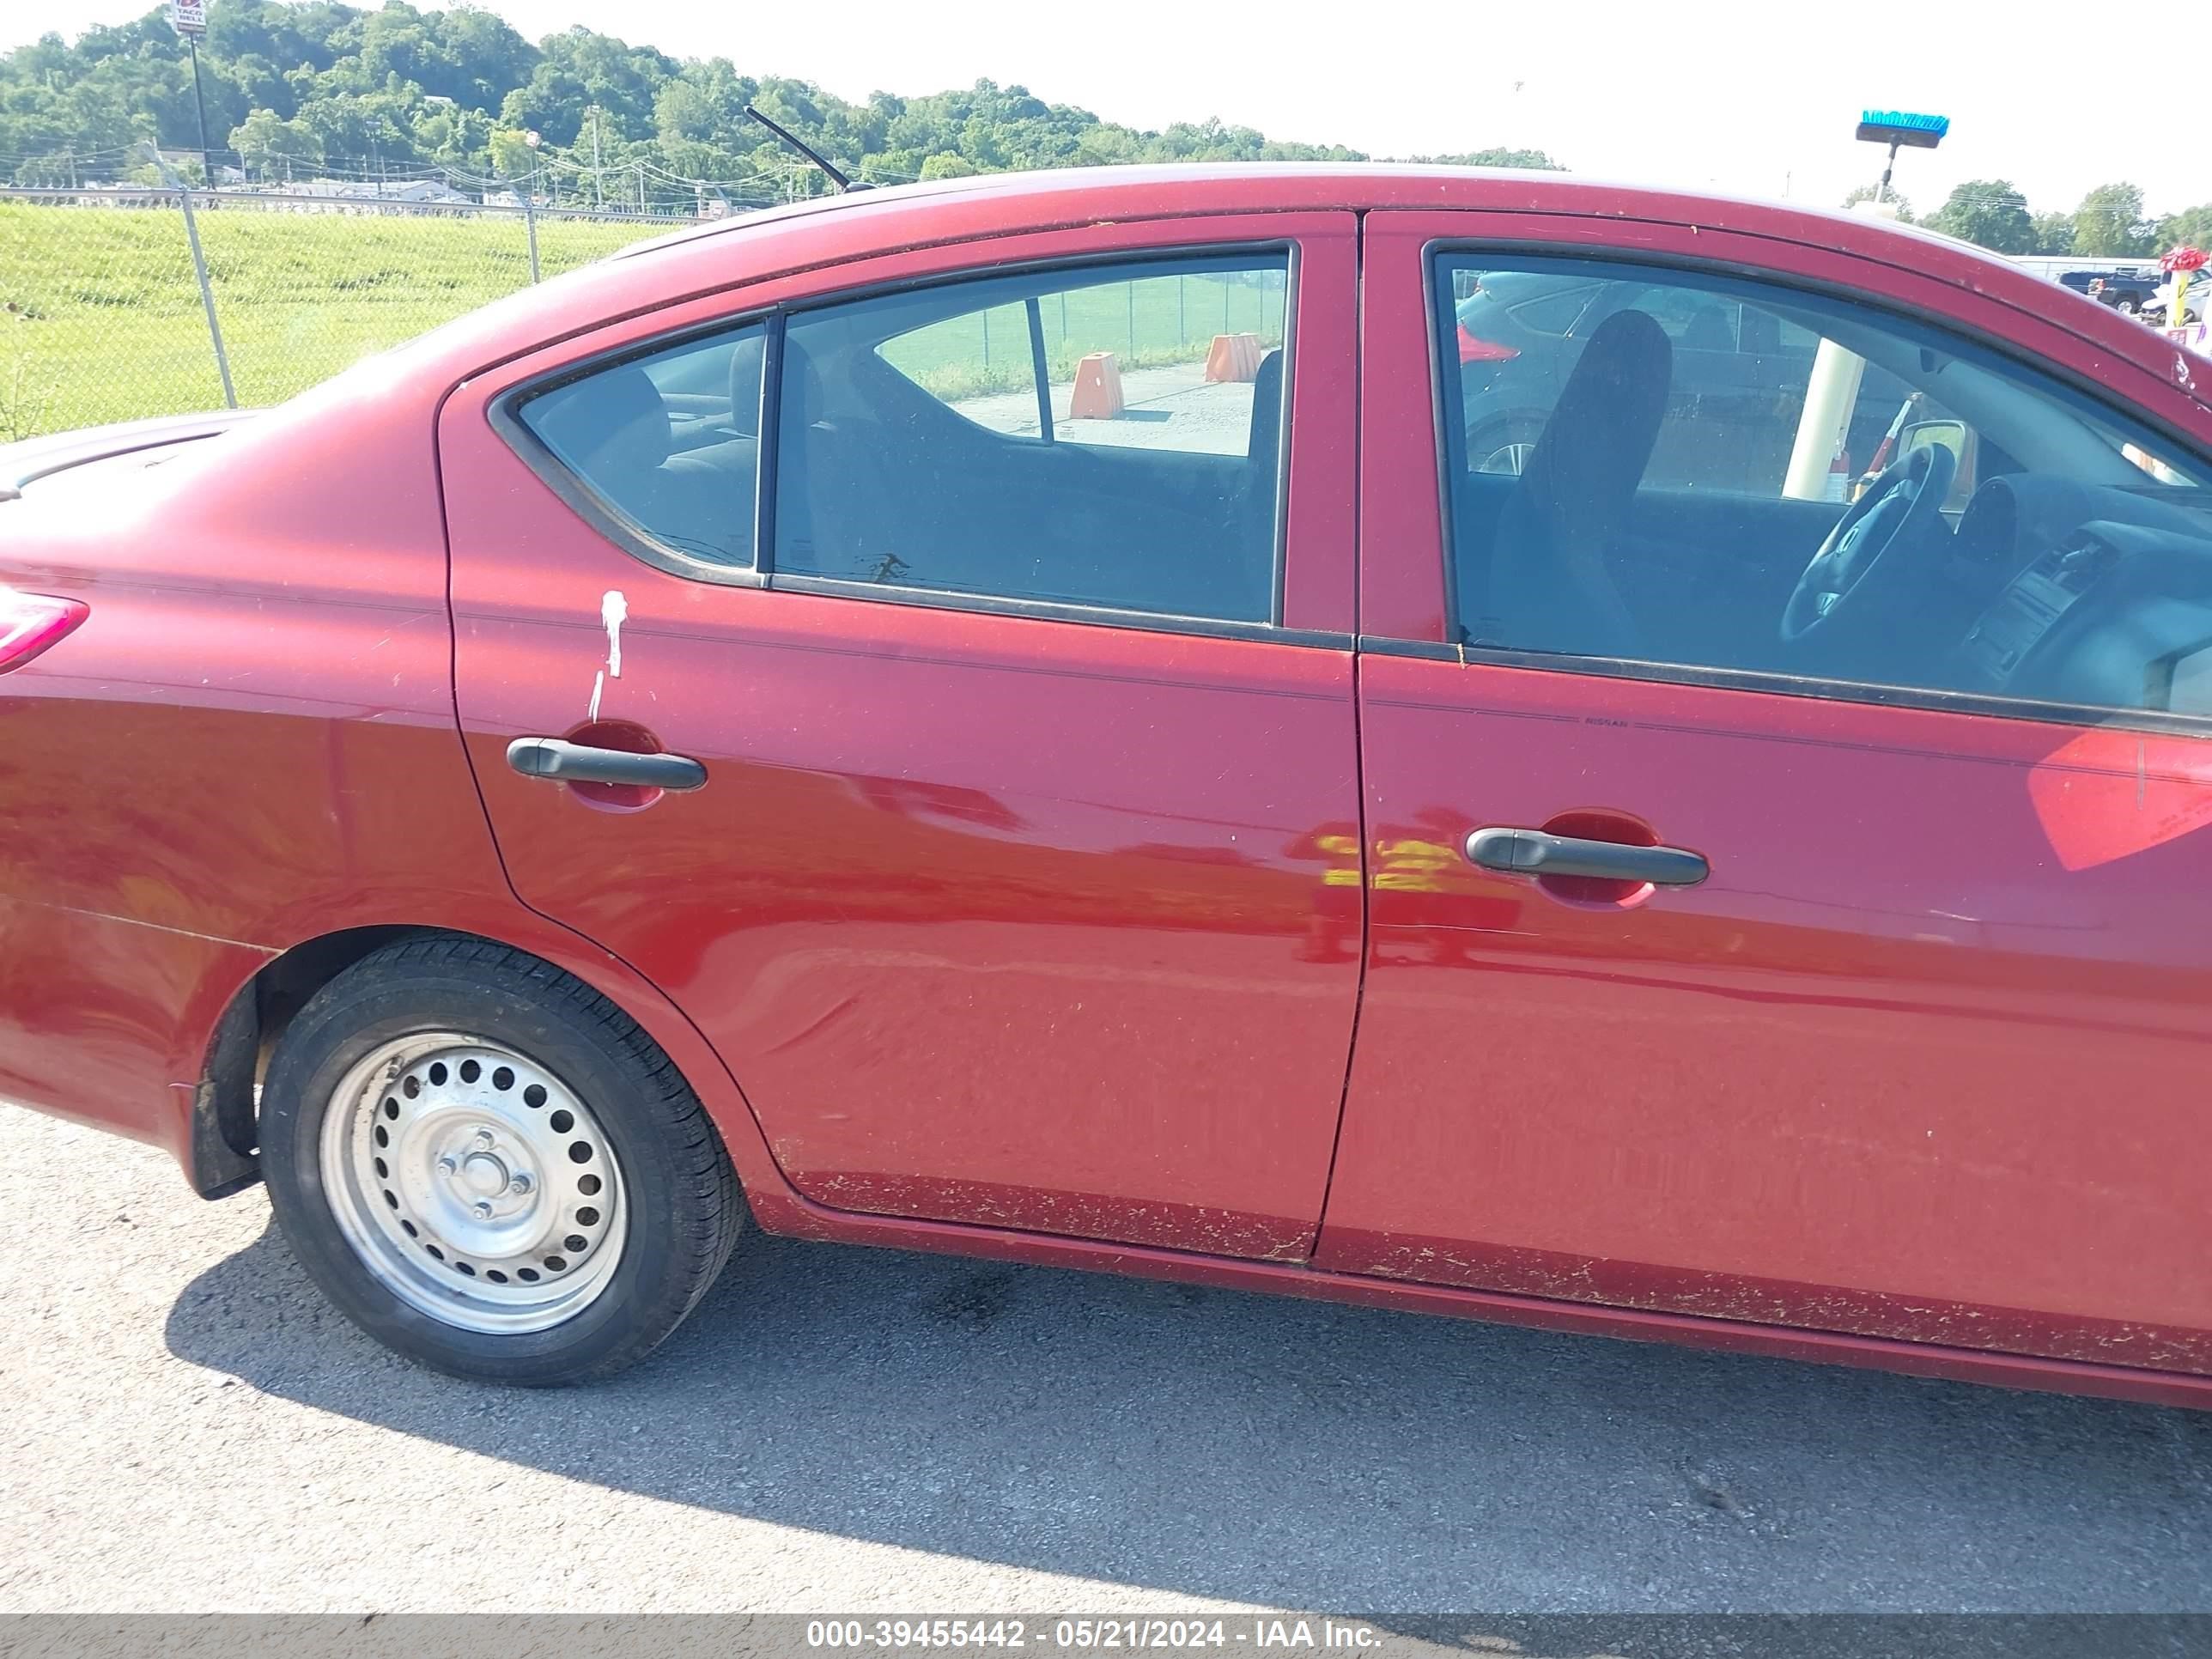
(1269, 1450)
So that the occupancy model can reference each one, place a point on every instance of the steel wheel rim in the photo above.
(1507, 458)
(473, 1184)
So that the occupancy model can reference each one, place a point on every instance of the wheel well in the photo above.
(224, 1131)
(282, 986)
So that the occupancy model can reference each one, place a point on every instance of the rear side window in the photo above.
(1108, 437)
(666, 444)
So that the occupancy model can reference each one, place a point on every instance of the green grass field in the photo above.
(101, 317)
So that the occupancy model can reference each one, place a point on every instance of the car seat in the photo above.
(1551, 586)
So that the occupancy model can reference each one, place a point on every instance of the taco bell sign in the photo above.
(188, 17)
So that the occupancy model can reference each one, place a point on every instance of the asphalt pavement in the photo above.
(184, 1425)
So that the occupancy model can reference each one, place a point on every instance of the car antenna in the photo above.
(836, 177)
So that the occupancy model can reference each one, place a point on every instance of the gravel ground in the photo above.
(1169, 408)
(187, 1427)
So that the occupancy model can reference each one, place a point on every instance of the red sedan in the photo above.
(1010, 717)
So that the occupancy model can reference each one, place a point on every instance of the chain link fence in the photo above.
(102, 318)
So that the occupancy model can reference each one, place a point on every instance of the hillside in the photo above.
(318, 87)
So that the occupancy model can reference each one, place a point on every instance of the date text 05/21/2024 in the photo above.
(1261, 1633)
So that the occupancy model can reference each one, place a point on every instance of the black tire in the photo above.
(684, 1213)
(2127, 308)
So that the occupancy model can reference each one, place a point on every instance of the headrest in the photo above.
(614, 416)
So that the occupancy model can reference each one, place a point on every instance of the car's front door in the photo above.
(1023, 885)
(1921, 1055)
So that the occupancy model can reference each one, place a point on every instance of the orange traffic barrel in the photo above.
(1097, 394)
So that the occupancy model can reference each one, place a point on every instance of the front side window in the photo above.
(1108, 436)
(666, 443)
(1705, 473)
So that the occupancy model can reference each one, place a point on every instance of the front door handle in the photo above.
(576, 763)
(1535, 852)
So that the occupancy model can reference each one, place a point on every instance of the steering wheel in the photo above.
(1855, 569)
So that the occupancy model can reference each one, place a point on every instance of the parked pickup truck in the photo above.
(2130, 292)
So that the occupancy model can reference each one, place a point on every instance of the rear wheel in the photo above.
(490, 1168)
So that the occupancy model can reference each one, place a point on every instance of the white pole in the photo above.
(1829, 395)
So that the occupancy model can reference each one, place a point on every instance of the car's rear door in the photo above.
(1023, 888)
(1922, 1056)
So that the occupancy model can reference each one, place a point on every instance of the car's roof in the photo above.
(1033, 199)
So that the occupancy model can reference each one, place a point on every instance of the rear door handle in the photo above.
(1534, 853)
(576, 763)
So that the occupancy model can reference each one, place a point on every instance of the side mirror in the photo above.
(1957, 437)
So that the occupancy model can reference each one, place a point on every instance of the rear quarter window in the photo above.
(666, 443)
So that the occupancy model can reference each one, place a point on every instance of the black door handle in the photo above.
(1534, 853)
(575, 763)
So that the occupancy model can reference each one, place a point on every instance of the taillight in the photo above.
(1472, 351)
(29, 623)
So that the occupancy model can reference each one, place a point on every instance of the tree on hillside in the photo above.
(2190, 227)
(2054, 233)
(2110, 222)
(402, 86)
(271, 146)
(1534, 160)
(1867, 193)
(1987, 211)
(512, 157)
(371, 126)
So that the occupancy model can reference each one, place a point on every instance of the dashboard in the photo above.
(2094, 596)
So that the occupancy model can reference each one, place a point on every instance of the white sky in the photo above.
(1756, 99)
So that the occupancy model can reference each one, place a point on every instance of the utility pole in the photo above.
(598, 195)
(188, 19)
(199, 102)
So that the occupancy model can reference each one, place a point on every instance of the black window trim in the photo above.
(2078, 387)
(603, 516)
